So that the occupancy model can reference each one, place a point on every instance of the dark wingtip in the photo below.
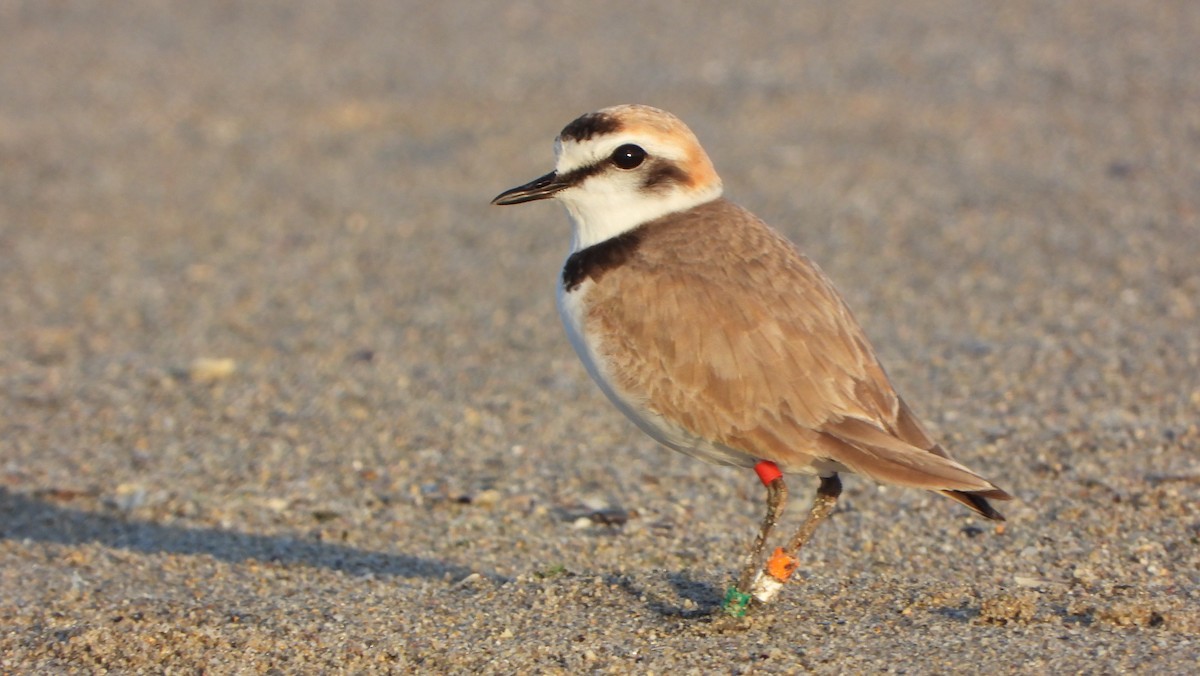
(978, 501)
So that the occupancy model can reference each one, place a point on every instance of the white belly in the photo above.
(571, 307)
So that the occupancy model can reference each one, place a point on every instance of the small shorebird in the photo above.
(718, 338)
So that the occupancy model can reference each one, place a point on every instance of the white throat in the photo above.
(601, 210)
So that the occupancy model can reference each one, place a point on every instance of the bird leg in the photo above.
(823, 504)
(776, 501)
(738, 597)
(784, 561)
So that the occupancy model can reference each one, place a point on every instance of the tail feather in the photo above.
(866, 449)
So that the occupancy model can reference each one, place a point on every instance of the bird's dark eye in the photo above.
(628, 156)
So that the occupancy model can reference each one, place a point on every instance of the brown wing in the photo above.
(747, 343)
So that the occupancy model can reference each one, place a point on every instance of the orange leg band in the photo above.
(781, 566)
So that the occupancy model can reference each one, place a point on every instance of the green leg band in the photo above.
(735, 602)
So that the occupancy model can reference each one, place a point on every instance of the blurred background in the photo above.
(266, 353)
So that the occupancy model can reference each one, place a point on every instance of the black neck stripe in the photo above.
(598, 259)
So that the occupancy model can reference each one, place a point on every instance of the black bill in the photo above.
(538, 189)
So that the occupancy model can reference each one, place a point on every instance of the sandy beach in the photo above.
(281, 393)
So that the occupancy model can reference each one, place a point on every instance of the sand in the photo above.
(280, 392)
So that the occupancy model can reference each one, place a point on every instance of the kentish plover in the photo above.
(717, 337)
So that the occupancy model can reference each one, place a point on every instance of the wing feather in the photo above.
(748, 344)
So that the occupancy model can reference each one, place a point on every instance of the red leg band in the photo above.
(767, 471)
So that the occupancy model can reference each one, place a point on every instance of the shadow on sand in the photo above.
(705, 597)
(27, 517)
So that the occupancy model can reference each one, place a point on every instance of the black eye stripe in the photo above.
(659, 176)
(663, 175)
(577, 176)
(581, 174)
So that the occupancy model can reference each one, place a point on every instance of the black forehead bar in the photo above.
(586, 126)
